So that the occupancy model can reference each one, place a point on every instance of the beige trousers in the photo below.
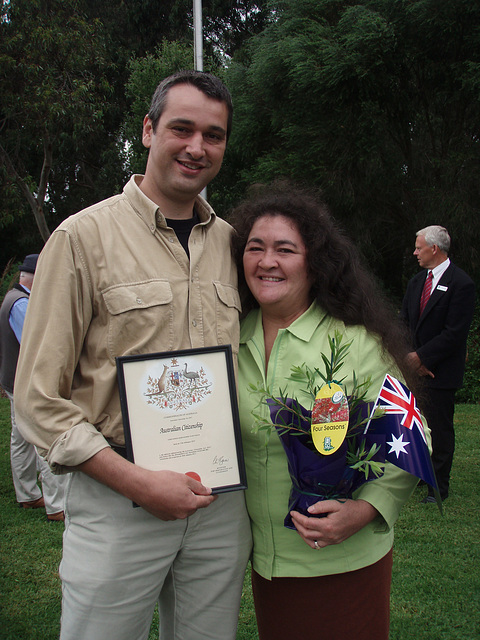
(119, 561)
(28, 467)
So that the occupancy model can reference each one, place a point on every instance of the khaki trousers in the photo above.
(27, 465)
(119, 561)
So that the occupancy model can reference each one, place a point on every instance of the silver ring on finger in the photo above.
(315, 543)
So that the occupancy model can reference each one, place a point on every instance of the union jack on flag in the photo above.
(401, 424)
(394, 398)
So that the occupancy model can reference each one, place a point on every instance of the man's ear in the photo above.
(147, 132)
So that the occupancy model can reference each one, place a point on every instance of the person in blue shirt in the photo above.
(24, 458)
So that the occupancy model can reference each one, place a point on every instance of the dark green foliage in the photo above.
(470, 392)
(377, 103)
(8, 278)
(54, 90)
(64, 66)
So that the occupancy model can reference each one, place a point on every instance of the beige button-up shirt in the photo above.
(114, 280)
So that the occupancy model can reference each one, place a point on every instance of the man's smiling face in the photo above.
(187, 147)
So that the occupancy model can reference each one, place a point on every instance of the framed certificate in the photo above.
(180, 413)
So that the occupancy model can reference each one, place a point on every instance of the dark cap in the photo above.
(30, 263)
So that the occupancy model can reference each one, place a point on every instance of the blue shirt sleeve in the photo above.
(17, 317)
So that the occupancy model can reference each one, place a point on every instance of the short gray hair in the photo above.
(435, 234)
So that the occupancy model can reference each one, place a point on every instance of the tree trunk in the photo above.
(35, 203)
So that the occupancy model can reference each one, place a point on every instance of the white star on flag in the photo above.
(398, 445)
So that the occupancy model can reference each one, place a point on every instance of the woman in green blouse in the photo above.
(329, 579)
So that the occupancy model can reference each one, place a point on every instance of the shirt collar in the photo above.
(22, 287)
(150, 213)
(305, 326)
(440, 269)
(302, 328)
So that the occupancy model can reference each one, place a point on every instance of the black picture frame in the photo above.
(184, 420)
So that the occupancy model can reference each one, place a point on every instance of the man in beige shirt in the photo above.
(144, 271)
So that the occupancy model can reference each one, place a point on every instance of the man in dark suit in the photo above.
(438, 309)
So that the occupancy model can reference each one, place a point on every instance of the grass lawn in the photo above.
(436, 579)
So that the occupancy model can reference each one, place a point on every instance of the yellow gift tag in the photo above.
(329, 418)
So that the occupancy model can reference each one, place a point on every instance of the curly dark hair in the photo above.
(342, 285)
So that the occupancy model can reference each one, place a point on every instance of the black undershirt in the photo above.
(183, 228)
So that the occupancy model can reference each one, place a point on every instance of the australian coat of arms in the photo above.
(178, 387)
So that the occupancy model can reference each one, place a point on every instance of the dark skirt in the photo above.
(346, 606)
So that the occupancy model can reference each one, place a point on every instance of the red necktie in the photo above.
(427, 290)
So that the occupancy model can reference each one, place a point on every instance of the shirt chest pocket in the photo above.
(140, 317)
(227, 309)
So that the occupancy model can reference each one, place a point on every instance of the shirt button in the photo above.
(194, 323)
(171, 239)
(139, 301)
(152, 227)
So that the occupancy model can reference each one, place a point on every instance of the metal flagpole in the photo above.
(197, 33)
(198, 48)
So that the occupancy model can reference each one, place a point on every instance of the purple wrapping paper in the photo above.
(316, 476)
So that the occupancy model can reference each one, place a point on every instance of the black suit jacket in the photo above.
(439, 335)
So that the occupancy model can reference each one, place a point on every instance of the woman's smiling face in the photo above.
(275, 265)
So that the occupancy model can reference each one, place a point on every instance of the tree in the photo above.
(228, 25)
(378, 104)
(138, 27)
(64, 66)
(54, 90)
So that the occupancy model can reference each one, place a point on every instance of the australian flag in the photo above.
(406, 445)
